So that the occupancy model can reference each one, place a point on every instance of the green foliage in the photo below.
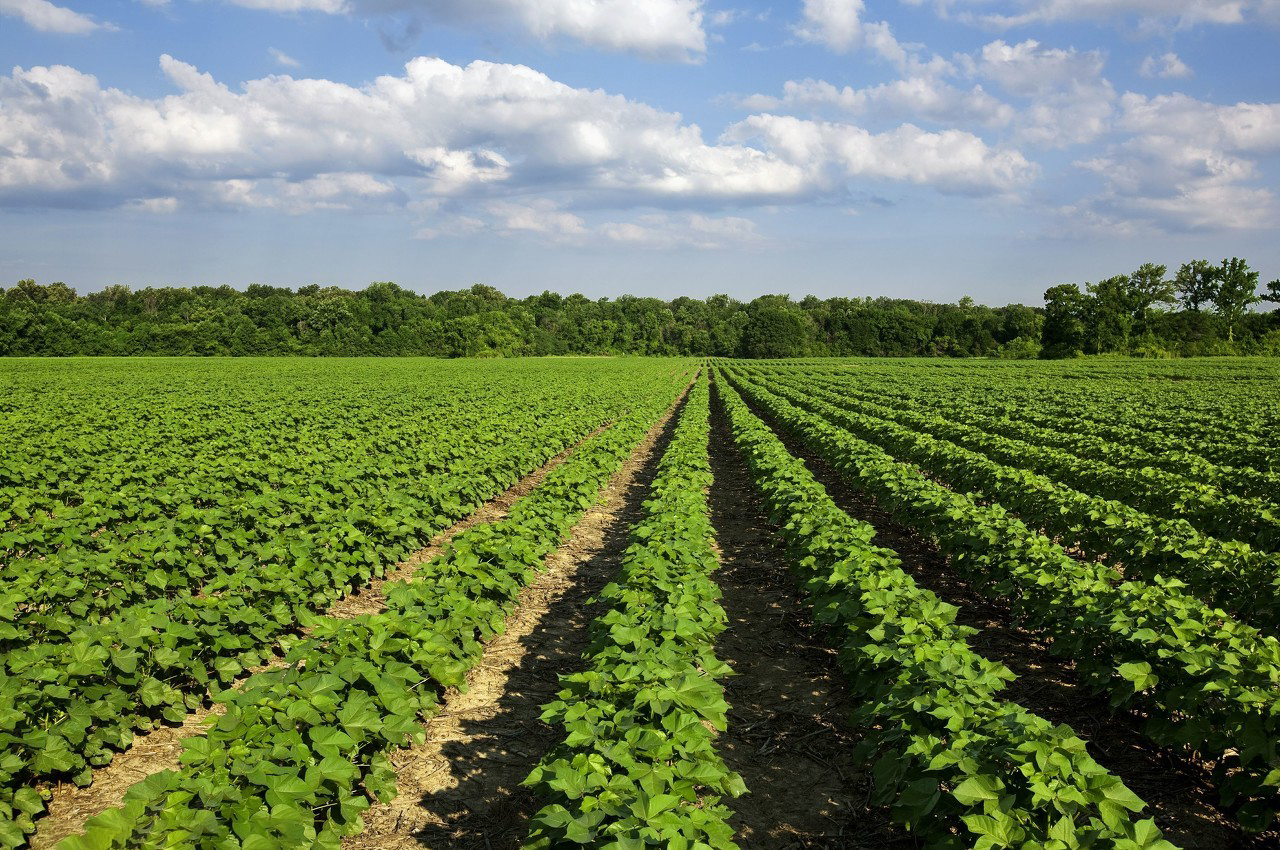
(949, 757)
(1212, 680)
(301, 750)
(384, 319)
(638, 767)
(157, 540)
(1237, 290)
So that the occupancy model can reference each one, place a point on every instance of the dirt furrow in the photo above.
(789, 735)
(1181, 798)
(461, 787)
(159, 749)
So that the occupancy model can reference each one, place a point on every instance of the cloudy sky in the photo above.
(924, 148)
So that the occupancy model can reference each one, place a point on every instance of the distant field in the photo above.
(1011, 558)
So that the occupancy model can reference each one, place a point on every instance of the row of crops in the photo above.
(174, 526)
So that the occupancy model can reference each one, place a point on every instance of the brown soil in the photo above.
(461, 788)
(159, 749)
(788, 732)
(1180, 795)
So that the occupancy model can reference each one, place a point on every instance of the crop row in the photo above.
(1203, 681)
(301, 751)
(1145, 546)
(1223, 428)
(195, 524)
(70, 704)
(1032, 422)
(66, 705)
(638, 766)
(1153, 491)
(958, 765)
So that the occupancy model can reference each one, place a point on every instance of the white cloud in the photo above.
(544, 221)
(46, 17)
(662, 231)
(658, 28)
(1168, 67)
(283, 58)
(951, 161)
(541, 216)
(918, 98)
(1067, 100)
(1242, 127)
(1188, 164)
(438, 131)
(838, 25)
(1028, 67)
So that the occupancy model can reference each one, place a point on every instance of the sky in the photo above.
(927, 149)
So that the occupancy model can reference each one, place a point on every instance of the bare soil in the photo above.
(1179, 792)
(788, 732)
(159, 749)
(461, 787)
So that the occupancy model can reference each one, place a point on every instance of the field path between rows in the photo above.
(159, 749)
(461, 787)
(789, 734)
(1178, 792)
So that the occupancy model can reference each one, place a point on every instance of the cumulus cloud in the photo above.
(838, 25)
(47, 17)
(1029, 67)
(657, 28)
(1167, 67)
(438, 131)
(1241, 127)
(1066, 100)
(1189, 165)
(951, 161)
(541, 216)
(915, 98)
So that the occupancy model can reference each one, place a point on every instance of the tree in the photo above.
(1197, 283)
(1237, 291)
(1064, 329)
(776, 329)
(1273, 292)
(1147, 287)
(1110, 315)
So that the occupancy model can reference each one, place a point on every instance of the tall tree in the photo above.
(1197, 284)
(1111, 314)
(1237, 292)
(1064, 329)
(1149, 285)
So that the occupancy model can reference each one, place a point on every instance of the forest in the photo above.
(1204, 309)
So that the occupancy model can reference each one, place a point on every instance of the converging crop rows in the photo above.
(320, 557)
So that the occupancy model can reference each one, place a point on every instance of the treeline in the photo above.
(1121, 314)
(1131, 313)
(385, 319)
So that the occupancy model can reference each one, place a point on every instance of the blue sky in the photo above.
(921, 148)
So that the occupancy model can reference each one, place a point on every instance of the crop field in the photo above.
(251, 604)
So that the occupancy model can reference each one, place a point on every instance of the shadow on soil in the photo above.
(1180, 798)
(788, 733)
(487, 809)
